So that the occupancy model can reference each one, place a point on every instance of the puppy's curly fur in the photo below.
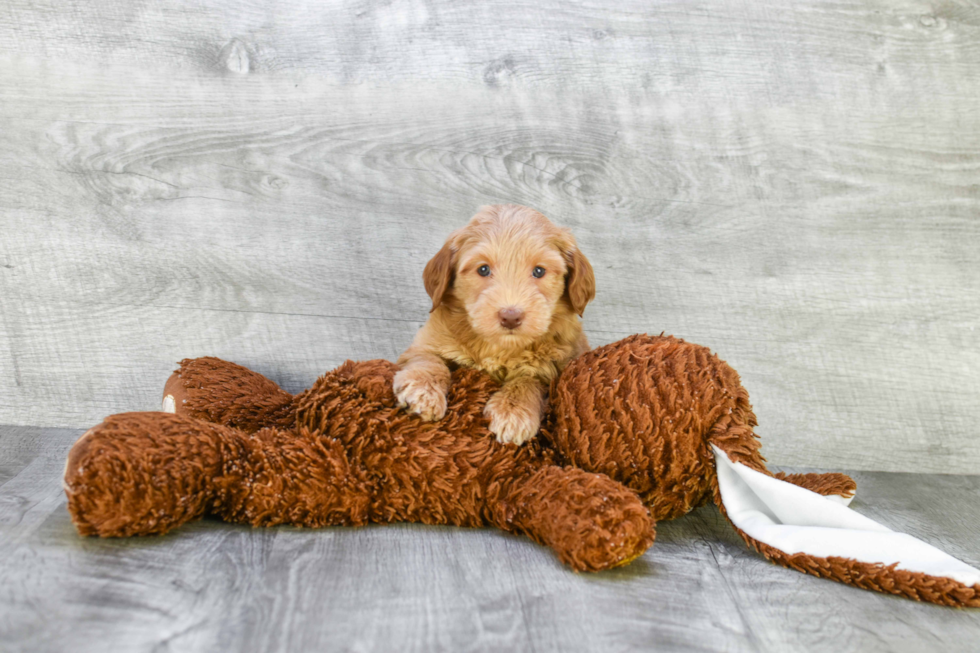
(507, 292)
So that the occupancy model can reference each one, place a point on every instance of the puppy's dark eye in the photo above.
(483, 270)
(537, 272)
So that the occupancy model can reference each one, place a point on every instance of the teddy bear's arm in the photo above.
(221, 392)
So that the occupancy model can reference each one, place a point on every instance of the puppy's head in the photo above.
(511, 269)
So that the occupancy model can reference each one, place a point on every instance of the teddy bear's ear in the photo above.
(439, 273)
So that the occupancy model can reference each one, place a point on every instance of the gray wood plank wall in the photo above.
(796, 185)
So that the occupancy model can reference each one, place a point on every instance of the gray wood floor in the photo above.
(217, 587)
(793, 184)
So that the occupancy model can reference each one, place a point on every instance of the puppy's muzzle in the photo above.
(510, 317)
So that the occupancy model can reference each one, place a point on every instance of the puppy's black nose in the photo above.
(510, 317)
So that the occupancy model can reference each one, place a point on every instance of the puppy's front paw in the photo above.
(510, 422)
(417, 391)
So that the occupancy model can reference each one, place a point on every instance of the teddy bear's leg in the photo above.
(147, 473)
(832, 484)
(591, 521)
(217, 391)
(142, 473)
(297, 477)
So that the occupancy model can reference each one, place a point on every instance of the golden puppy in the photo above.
(507, 291)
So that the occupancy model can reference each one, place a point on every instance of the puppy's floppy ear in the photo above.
(580, 279)
(439, 273)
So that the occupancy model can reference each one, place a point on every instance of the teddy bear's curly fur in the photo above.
(626, 443)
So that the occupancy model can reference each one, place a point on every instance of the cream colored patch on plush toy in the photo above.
(169, 406)
(64, 474)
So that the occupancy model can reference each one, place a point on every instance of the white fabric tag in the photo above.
(796, 520)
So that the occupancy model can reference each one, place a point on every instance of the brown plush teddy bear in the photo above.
(633, 436)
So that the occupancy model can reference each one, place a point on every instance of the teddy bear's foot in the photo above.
(591, 521)
(828, 485)
(217, 391)
(133, 474)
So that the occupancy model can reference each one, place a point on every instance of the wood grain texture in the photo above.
(794, 185)
(213, 586)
